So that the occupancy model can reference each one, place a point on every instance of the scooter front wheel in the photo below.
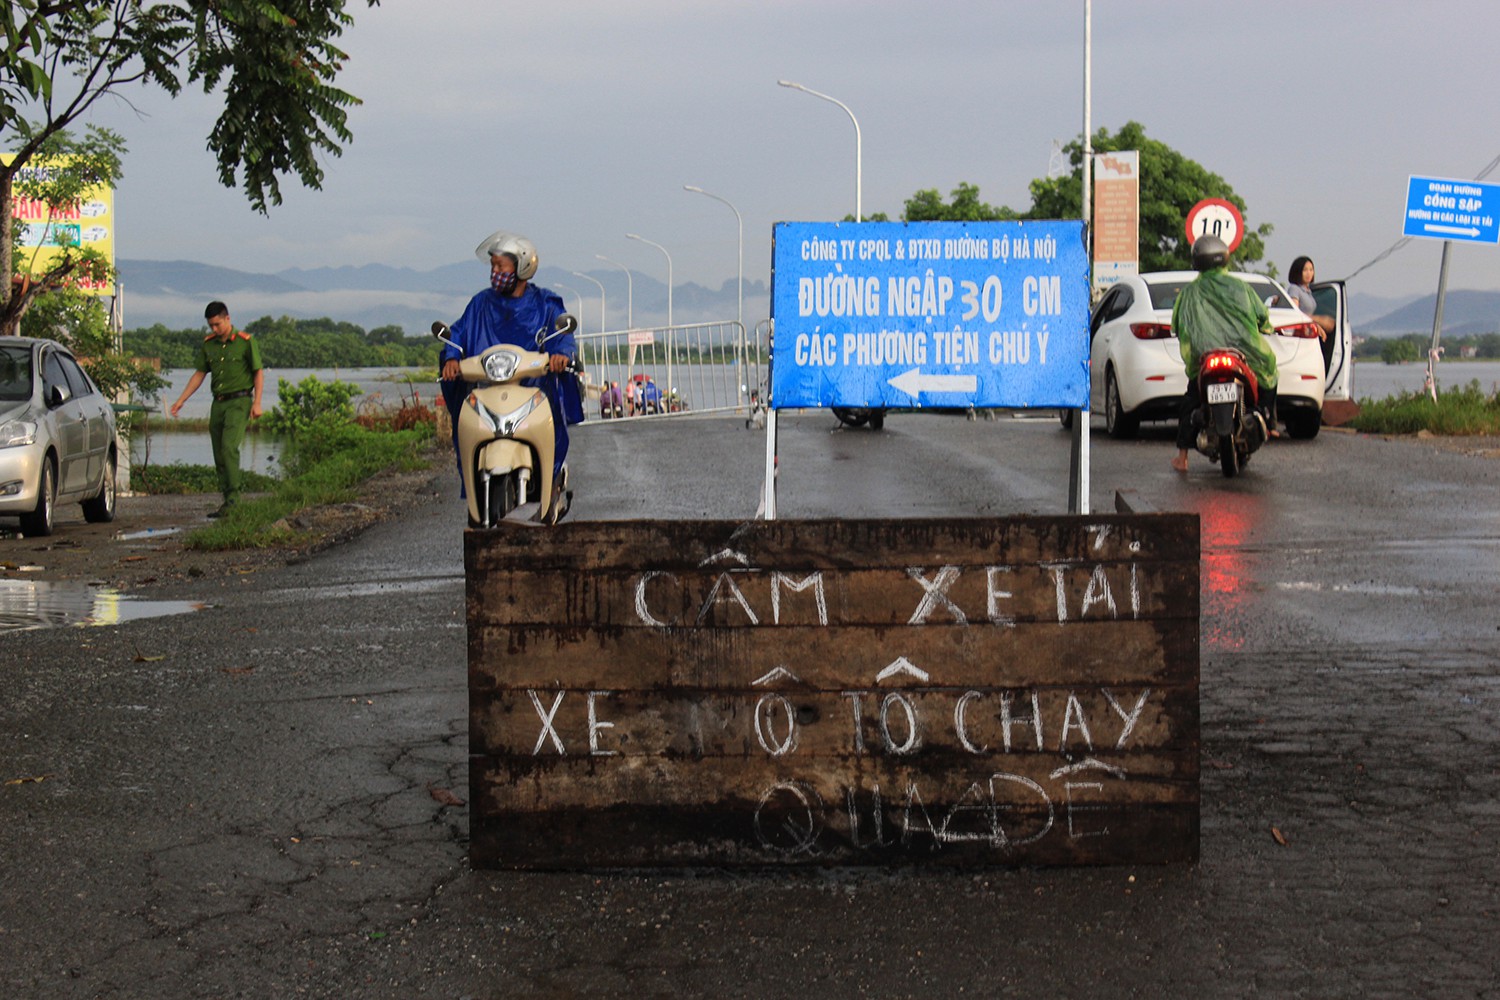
(504, 496)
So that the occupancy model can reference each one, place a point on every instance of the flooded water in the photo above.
(1378, 380)
(1372, 380)
(378, 386)
(32, 604)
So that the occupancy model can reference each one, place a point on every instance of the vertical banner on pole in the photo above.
(1117, 217)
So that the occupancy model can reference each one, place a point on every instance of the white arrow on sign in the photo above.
(1456, 230)
(914, 383)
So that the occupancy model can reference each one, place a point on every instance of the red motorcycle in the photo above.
(1229, 421)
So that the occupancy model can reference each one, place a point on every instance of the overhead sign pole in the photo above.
(1451, 210)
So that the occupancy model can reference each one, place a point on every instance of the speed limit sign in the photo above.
(1216, 217)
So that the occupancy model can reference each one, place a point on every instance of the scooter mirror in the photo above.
(439, 329)
(564, 325)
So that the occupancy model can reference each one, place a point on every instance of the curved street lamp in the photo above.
(858, 144)
(629, 291)
(740, 301)
(633, 236)
(671, 346)
(586, 277)
(576, 294)
(740, 314)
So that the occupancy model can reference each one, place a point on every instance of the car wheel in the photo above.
(1065, 417)
(100, 508)
(877, 419)
(1120, 425)
(851, 417)
(1304, 424)
(38, 523)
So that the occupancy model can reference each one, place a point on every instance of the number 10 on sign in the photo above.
(1216, 217)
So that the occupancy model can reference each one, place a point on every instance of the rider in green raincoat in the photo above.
(1219, 310)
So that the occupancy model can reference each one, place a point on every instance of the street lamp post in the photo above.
(576, 294)
(671, 347)
(740, 302)
(633, 236)
(629, 291)
(587, 277)
(858, 144)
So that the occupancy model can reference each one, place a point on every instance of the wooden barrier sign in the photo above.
(963, 692)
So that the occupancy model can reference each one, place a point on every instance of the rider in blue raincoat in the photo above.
(512, 311)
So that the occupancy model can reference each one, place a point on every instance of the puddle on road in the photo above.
(32, 604)
(146, 534)
(1375, 589)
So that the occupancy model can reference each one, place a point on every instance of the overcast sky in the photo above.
(578, 121)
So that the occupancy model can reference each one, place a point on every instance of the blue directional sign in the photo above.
(1440, 208)
(948, 314)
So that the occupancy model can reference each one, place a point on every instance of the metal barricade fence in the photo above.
(697, 368)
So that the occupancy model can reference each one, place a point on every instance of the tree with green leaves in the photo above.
(1401, 350)
(79, 320)
(928, 206)
(275, 60)
(1170, 185)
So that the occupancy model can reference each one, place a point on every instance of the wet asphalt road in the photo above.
(255, 800)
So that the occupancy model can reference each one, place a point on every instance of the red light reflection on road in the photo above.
(1225, 521)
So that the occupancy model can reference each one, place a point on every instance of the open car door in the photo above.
(1338, 349)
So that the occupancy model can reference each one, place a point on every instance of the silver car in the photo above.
(57, 436)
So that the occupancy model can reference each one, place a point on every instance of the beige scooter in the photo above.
(505, 434)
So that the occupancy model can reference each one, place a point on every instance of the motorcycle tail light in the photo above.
(1219, 363)
(1302, 331)
(1151, 331)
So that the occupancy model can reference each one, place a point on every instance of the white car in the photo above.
(57, 436)
(1135, 361)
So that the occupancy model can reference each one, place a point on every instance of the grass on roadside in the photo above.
(1463, 411)
(252, 522)
(178, 478)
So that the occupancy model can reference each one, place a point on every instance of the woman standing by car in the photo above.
(1299, 284)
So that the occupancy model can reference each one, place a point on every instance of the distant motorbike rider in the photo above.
(511, 311)
(1218, 310)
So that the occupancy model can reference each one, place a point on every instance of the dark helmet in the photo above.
(1209, 252)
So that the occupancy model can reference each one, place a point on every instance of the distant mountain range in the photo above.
(174, 292)
(1464, 312)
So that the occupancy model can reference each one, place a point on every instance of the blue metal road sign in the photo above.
(1440, 208)
(948, 314)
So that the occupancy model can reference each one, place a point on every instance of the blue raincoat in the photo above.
(491, 318)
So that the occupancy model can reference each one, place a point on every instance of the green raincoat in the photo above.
(1219, 310)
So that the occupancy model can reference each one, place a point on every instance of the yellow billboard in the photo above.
(45, 231)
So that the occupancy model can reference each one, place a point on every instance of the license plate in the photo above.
(1223, 392)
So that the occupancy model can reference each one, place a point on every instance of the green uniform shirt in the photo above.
(232, 366)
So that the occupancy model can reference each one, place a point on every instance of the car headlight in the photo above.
(501, 365)
(14, 433)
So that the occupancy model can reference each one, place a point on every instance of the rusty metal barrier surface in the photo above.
(953, 692)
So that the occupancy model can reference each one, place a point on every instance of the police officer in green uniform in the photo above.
(234, 360)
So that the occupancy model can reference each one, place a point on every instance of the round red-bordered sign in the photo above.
(1216, 217)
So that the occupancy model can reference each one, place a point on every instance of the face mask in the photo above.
(503, 282)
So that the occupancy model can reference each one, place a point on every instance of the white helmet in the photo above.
(519, 247)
